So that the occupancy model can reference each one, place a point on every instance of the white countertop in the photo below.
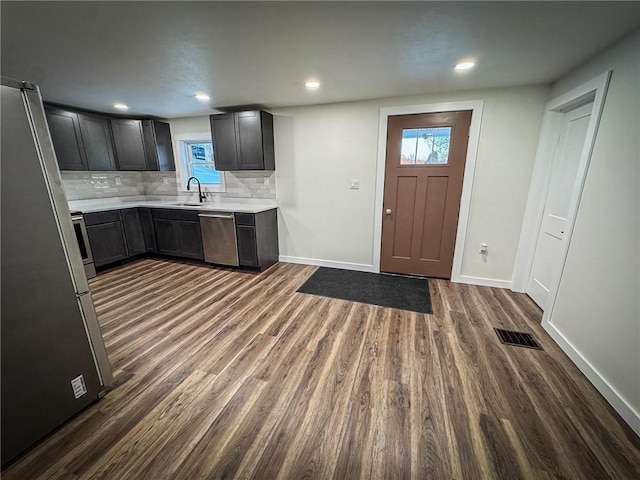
(232, 205)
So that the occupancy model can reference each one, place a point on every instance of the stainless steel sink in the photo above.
(187, 204)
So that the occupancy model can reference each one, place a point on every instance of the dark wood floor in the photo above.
(224, 374)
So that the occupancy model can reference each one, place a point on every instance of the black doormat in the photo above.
(393, 291)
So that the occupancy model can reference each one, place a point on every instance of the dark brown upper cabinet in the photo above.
(98, 144)
(64, 127)
(129, 142)
(81, 141)
(89, 141)
(158, 146)
(243, 141)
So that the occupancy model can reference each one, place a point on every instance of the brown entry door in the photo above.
(423, 183)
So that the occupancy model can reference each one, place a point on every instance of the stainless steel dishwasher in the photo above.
(219, 238)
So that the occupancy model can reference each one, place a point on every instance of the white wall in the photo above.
(189, 125)
(320, 148)
(598, 308)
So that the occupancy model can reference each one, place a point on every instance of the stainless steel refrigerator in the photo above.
(54, 362)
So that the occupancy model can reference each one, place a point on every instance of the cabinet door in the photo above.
(268, 151)
(107, 243)
(158, 146)
(133, 231)
(167, 237)
(129, 142)
(247, 251)
(223, 137)
(149, 134)
(249, 134)
(146, 220)
(98, 144)
(190, 240)
(67, 139)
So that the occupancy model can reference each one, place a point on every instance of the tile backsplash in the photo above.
(253, 184)
(93, 185)
(160, 183)
(85, 185)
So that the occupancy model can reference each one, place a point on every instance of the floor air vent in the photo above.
(518, 339)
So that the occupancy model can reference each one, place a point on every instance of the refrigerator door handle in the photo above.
(53, 181)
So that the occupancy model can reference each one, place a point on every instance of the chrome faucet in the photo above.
(201, 195)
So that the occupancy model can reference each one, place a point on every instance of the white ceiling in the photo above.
(155, 56)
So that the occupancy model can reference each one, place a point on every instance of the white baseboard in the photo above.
(608, 392)
(360, 267)
(483, 282)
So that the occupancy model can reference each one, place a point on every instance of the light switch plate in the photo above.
(355, 184)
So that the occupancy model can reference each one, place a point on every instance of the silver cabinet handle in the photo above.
(216, 216)
(387, 211)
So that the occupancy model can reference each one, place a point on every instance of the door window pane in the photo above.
(425, 146)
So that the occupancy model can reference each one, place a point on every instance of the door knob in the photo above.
(387, 211)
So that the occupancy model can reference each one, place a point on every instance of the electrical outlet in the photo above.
(79, 387)
(266, 180)
(165, 180)
(118, 180)
(483, 249)
(355, 184)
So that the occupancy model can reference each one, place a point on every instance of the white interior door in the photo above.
(563, 183)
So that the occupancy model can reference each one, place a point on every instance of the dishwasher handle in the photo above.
(214, 215)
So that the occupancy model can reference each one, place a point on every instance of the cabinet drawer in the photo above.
(101, 217)
(245, 219)
(171, 214)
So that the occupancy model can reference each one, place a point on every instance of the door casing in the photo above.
(596, 88)
(476, 107)
(549, 243)
(595, 91)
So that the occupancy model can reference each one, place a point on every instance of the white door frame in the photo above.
(476, 106)
(593, 90)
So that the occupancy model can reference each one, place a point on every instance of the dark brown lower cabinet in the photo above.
(167, 236)
(247, 249)
(133, 231)
(178, 233)
(149, 233)
(190, 240)
(116, 235)
(107, 242)
(257, 235)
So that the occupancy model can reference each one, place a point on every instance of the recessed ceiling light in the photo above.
(121, 106)
(203, 97)
(464, 66)
(312, 85)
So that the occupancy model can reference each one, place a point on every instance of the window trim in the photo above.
(179, 146)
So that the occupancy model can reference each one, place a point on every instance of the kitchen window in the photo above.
(195, 152)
